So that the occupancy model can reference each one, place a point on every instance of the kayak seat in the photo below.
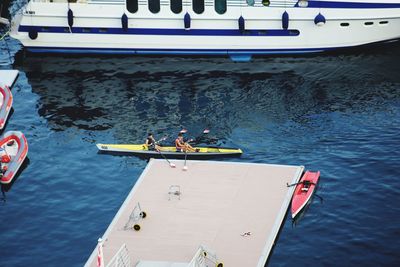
(304, 189)
(5, 159)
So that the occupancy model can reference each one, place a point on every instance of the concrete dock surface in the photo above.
(234, 209)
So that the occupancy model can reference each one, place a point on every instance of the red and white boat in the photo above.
(304, 191)
(6, 101)
(13, 151)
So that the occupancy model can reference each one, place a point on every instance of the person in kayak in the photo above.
(151, 143)
(182, 145)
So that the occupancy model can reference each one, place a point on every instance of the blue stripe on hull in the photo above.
(171, 51)
(144, 31)
(332, 4)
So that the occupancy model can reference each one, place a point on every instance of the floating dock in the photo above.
(8, 77)
(216, 213)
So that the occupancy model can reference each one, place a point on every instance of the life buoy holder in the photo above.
(285, 20)
(241, 24)
(319, 20)
(187, 21)
(70, 18)
(124, 22)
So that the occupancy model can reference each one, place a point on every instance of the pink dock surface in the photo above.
(219, 202)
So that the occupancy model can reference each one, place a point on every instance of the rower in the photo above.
(151, 143)
(182, 146)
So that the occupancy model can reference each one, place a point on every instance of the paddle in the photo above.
(185, 167)
(172, 165)
(302, 182)
(197, 139)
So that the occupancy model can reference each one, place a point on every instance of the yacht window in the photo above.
(154, 6)
(265, 2)
(198, 6)
(383, 22)
(368, 23)
(132, 6)
(250, 2)
(220, 6)
(345, 24)
(176, 6)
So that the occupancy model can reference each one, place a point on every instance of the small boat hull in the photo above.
(6, 101)
(304, 191)
(169, 152)
(14, 148)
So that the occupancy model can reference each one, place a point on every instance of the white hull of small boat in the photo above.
(13, 151)
(6, 101)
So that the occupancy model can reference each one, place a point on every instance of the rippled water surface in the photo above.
(337, 113)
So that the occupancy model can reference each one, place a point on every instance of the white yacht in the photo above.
(238, 28)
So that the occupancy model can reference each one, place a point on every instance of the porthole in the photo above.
(368, 23)
(383, 22)
(220, 6)
(103, 30)
(176, 6)
(250, 2)
(266, 2)
(345, 24)
(154, 6)
(198, 6)
(86, 30)
(132, 6)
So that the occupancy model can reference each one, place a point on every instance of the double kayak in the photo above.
(13, 151)
(169, 151)
(304, 191)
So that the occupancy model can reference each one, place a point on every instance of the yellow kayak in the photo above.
(168, 151)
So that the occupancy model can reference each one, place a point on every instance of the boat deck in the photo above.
(218, 203)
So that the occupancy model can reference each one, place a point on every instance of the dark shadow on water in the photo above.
(7, 187)
(303, 212)
(8, 119)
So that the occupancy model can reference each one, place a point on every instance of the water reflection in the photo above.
(133, 96)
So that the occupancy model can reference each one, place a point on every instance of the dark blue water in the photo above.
(339, 114)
